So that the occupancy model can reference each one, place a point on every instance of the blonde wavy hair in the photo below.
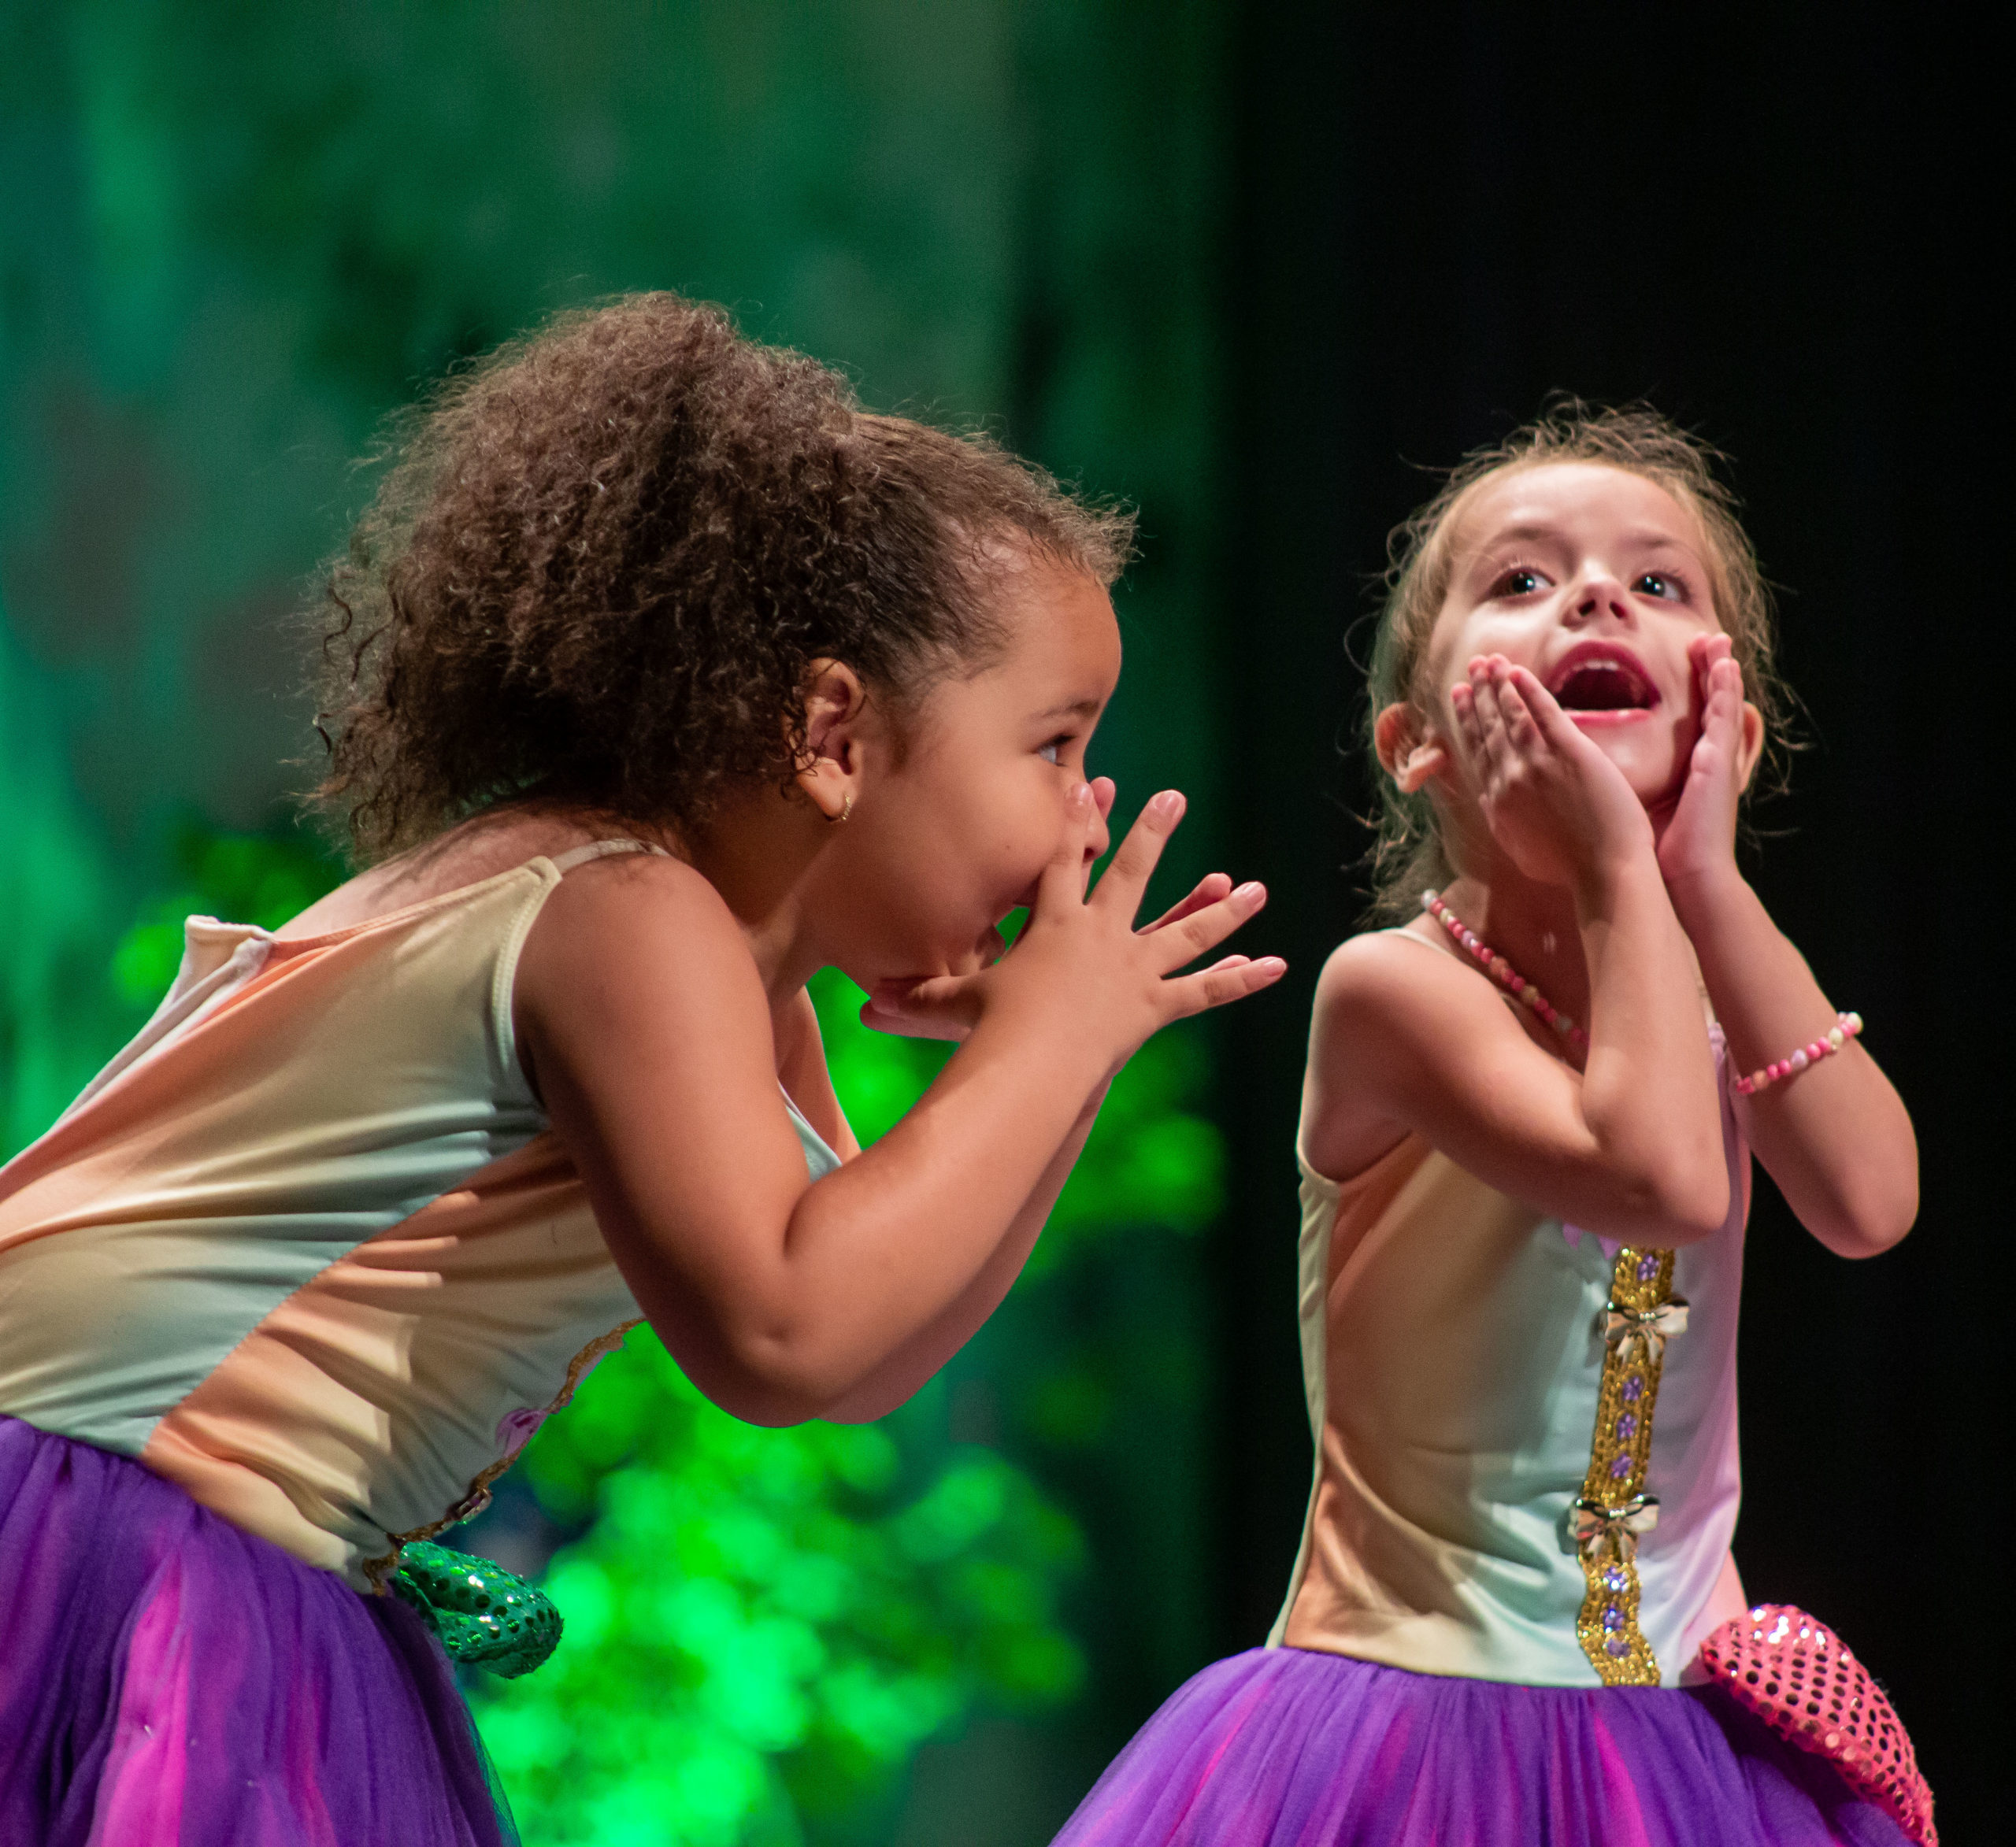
(1407, 857)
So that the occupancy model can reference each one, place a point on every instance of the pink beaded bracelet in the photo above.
(1849, 1024)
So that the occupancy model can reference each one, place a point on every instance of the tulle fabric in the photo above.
(167, 1680)
(1289, 1747)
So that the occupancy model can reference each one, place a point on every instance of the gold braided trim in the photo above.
(378, 1571)
(1642, 1314)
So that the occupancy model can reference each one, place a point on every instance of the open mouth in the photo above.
(1600, 676)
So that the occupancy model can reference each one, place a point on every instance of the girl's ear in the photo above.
(829, 771)
(1751, 752)
(1408, 758)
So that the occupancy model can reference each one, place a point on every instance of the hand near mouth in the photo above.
(1698, 838)
(1084, 940)
(950, 1004)
(1553, 801)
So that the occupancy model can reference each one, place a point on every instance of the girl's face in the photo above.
(958, 813)
(1596, 580)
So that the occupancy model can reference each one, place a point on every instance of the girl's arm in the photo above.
(1406, 1039)
(1836, 1138)
(905, 1372)
(645, 1021)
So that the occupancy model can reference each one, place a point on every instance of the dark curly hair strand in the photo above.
(603, 558)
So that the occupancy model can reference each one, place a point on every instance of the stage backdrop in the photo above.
(1250, 268)
(235, 236)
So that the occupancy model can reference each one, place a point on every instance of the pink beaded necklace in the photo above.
(1503, 973)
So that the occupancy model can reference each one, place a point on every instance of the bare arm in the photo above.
(779, 1298)
(919, 1359)
(1837, 1139)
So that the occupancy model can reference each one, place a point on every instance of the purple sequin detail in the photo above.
(1634, 1390)
(1616, 1647)
(1612, 1616)
(1627, 1426)
(1648, 1267)
(1620, 1468)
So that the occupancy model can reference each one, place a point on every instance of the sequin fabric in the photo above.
(483, 1614)
(1641, 1316)
(1798, 1676)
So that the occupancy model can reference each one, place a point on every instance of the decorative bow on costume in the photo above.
(1642, 1333)
(1599, 1529)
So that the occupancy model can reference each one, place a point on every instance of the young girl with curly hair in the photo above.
(658, 677)
(1525, 1140)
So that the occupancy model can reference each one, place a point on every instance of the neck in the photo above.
(763, 853)
(1534, 925)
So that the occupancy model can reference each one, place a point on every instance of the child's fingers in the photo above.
(1539, 708)
(1175, 944)
(1063, 880)
(1496, 743)
(1469, 732)
(1522, 731)
(944, 1007)
(1233, 979)
(1704, 651)
(1127, 875)
(1210, 889)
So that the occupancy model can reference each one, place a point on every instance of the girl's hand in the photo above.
(888, 1009)
(1699, 839)
(1080, 958)
(1556, 804)
(895, 1007)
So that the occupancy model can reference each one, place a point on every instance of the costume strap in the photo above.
(564, 863)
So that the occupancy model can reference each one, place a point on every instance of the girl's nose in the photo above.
(1598, 598)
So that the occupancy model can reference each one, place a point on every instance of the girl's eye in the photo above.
(1049, 752)
(1661, 584)
(1518, 582)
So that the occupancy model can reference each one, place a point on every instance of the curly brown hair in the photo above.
(1407, 857)
(602, 559)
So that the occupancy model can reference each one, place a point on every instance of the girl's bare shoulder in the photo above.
(1384, 978)
(1396, 1017)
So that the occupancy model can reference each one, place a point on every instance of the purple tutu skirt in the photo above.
(167, 1680)
(1289, 1748)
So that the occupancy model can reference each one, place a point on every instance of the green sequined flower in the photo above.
(484, 1614)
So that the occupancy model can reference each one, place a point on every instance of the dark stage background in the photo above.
(1255, 269)
(1775, 229)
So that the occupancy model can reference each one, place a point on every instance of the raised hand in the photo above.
(1080, 957)
(1698, 838)
(1553, 801)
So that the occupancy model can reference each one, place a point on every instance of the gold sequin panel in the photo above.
(1641, 1316)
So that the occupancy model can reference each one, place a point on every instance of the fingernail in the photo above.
(1252, 889)
(1273, 965)
(1168, 804)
